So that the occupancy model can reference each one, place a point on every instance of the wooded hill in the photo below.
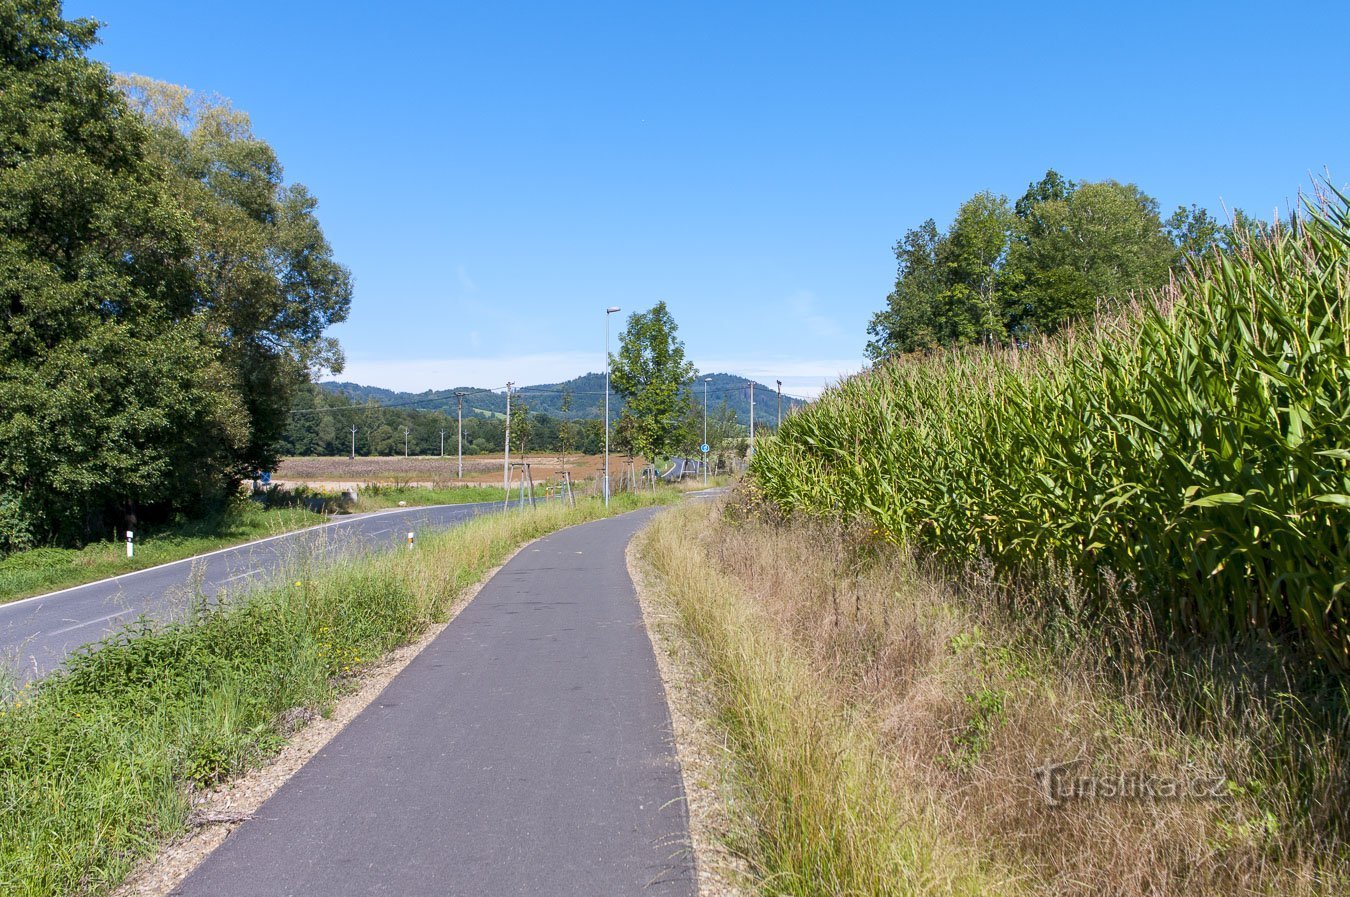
(587, 398)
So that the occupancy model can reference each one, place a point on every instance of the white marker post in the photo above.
(131, 545)
(412, 540)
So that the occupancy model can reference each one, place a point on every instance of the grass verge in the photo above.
(863, 694)
(98, 763)
(818, 811)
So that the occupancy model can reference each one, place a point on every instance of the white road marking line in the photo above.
(117, 613)
(241, 576)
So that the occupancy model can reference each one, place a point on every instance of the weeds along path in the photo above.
(526, 750)
(38, 634)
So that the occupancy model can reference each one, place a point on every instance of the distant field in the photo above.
(429, 470)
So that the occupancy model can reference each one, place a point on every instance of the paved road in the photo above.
(526, 751)
(37, 634)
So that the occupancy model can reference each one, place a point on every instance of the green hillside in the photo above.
(588, 397)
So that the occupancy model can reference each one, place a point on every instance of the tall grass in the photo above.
(815, 790)
(1191, 456)
(97, 763)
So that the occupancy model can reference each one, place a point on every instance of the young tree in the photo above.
(565, 428)
(651, 374)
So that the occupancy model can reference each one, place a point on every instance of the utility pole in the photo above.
(442, 443)
(706, 381)
(353, 456)
(750, 454)
(780, 406)
(405, 441)
(609, 311)
(506, 461)
(459, 414)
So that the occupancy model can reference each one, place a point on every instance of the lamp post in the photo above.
(780, 406)
(706, 381)
(609, 311)
(459, 414)
(506, 462)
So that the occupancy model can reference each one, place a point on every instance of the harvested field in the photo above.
(427, 471)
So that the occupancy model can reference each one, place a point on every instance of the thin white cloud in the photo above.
(802, 306)
(465, 280)
(417, 375)
(801, 377)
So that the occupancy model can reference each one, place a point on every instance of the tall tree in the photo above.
(267, 284)
(1097, 245)
(912, 320)
(109, 381)
(651, 373)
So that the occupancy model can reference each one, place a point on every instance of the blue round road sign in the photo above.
(703, 448)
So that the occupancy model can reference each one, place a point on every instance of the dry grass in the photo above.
(961, 702)
(427, 470)
(811, 806)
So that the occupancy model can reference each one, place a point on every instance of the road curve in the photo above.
(37, 634)
(526, 751)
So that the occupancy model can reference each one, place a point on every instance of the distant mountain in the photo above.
(588, 397)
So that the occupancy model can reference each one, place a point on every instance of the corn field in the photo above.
(1196, 447)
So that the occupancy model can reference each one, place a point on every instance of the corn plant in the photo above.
(1196, 445)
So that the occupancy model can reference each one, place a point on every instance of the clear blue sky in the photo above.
(496, 174)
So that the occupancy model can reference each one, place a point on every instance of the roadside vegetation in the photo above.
(1047, 579)
(97, 762)
(883, 726)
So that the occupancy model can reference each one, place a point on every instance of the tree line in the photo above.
(322, 421)
(163, 291)
(1003, 273)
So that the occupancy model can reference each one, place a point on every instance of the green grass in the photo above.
(97, 762)
(375, 496)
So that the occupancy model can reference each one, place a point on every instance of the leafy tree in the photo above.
(1100, 244)
(267, 284)
(626, 436)
(521, 426)
(1001, 274)
(912, 320)
(566, 430)
(651, 373)
(110, 382)
(973, 253)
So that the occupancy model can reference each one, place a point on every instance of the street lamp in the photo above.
(459, 428)
(609, 311)
(706, 381)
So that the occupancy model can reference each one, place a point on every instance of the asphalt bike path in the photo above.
(527, 750)
(37, 634)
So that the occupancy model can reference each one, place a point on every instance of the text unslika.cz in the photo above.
(1057, 786)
